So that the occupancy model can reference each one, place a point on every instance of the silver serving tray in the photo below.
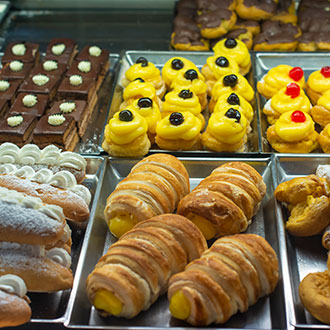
(304, 254)
(51, 308)
(268, 313)
(263, 62)
(159, 58)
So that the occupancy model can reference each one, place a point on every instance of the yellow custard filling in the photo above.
(174, 103)
(239, 53)
(180, 306)
(198, 86)
(123, 132)
(107, 301)
(137, 89)
(220, 71)
(291, 131)
(227, 130)
(204, 225)
(187, 130)
(147, 73)
(121, 223)
(324, 100)
(318, 82)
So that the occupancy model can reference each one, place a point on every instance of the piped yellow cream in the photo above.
(108, 302)
(180, 306)
(121, 223)
(318, 82)
(204, 225)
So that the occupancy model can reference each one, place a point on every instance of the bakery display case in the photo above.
(133, 32)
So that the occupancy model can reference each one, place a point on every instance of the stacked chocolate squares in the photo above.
(49, 101)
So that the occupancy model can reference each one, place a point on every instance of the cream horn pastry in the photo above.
(135, 270)
(59, 189)
(154, 186)
(14, 304)
(49, 157)
(229, 277)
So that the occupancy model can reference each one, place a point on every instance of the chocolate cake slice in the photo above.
(50, 67)
(8, 90)
(62, 50)
(21, 51)
(35, 104)
(15, 70)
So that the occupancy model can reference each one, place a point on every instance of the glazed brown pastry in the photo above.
(255, 9)
(136, 269)
(326, 239)
(229, 277)
(225, 201)
(154, 186)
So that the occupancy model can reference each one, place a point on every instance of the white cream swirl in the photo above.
(9, 153)
(63, 179)
(53, 211)
(29, 154)
(16, 66)
(13, 284)
(25, 172)
(70, 159)
(83, 192)
(60, 256)
(18, 49)
(42, 175)
(7, 168)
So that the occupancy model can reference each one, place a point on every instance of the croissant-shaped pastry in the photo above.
(225, 201)
(136, 269)
(229, 277)
(154, 186)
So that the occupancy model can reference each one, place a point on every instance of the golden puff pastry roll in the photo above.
(154, 186)
(229, 277)
(136, 269)
(225, 201)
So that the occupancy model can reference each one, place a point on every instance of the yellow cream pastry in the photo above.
(226, 131)
(194, 81)
(126, 135)
(137, 89)
(321, 111)
(148, 72)
(318, 83)
(182, 100)
(293, 132)
(216, 67)
(233, 83)
(324, 139)
(179, 131)
(228, 100)
(278, 77)
(289, 98)
(236, 50)
(173, 66)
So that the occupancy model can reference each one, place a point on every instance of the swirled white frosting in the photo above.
(15, 120)
(50, 65)
(40, 79)
(84, 66)
(16, 66)
(7, 168)
(63, 179)
(29, 154)
(58, 49)
(60, 256)
(76, 80)
(56, 120)
(73, 160)
(30, 100)
(83, 192)
(13, 284)
(95, 51)
(4, 85)
(18, 49)
(67, 107)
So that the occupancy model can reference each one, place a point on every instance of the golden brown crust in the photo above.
(251, 12)
(324, 139)
(321, 115)
(326, 241)
(179, 144)
(271, 47)
(313, 95)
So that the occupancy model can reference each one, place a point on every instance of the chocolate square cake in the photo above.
(35, 104)
(50, 67)
(4, 107)
(8, 90)
(15, 70)
(17, 128)
(40, 84)
(56, 129)
(63, 50)
(21, 51)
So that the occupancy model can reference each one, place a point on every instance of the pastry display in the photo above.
(179, 131)
(35, 104)
(289, 98)
(215, 286)
(126, 135)
(293, 132)
(14, 303)
(25, 52)
(63, 50)
(225, 201)
(318, 83)
(154, 186)
(136, 269)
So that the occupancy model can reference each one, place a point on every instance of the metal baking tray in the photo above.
(304, 254)
(263, 62)
(159, 58)
(268, 313)
(51, 308)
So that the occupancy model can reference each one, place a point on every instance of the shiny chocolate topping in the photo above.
(177, 64)
(214, 19)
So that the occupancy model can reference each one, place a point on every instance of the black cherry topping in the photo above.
(191, 74)
(222, 62)
(230, 43)
(230, 80)
(143, 61)
(145, 102)
(233, 99)
(176, 118)
(139, 79)
(234, 114)
(177, 64)
(125, 115)
(185, 94)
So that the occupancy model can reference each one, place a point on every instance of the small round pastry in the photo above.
(235, 101)
(237, 50)
(250, 25)
(137, 89)
(226, 131)
(306, 42)
(321, 111)
(314, 293)
(194, 81)
(151, 113)
(293, 132)
(215, 68)
(318, 83)
(179, 131)
(126, 135)
(243, 35)
(148, 72)
(289, 98)
(255, 9)
(182, 100)
(279, 77)
(173, 66)
(214, 24)
(233, 83)
(268, 42)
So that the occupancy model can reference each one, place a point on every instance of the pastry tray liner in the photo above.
(268, 313)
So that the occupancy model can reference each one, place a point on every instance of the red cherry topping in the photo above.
(325, 71)
(296, 73)
(293, 90)
(298, 116)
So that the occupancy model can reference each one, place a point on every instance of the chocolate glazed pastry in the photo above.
(255, 9)
(214, 5)
(241, 34)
